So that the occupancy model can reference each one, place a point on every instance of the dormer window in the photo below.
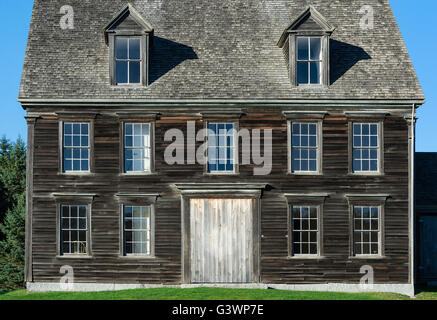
(309, 60)
(128, 60)
(129, 37)
(305, 44)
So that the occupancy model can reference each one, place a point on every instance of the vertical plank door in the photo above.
(221, 240)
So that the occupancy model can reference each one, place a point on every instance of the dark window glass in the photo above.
(366, 230)
(73, 229)
(305, 230)
(137, 230)
(221, 147)
(128, 60)
(365, 147)
(304, 147)
(309, 60)
(137, 148)
(76, 150)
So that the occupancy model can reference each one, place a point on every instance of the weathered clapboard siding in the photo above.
(106, 265)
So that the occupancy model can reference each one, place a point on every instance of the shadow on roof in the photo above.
(167, 55)
(343, 57)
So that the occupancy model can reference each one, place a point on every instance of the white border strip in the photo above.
(405, 289)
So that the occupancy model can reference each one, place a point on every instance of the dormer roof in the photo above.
(310, 20)
(128, 20)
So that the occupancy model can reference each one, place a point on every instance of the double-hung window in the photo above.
(128, 60)
(305, 147)
(221, 147)
(366, 230)
(309, 60)
(76, 147)
(305, 230)
(137, 230)
(74, 230)
(366, 147)
(137, 147)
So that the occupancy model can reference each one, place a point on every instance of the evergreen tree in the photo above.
(12, 212)
(12, 247)
(12, 168)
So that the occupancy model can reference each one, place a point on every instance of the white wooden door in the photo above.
(221, 240)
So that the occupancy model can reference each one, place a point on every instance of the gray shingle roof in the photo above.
(213, 49)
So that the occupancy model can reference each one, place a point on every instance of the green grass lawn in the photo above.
(209, 294)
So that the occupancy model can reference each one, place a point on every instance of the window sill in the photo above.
(74, 256)
(304, 173)
(306, 257)
(133, 174)
(311, 86)
(366, 174)
(139, 256)
(78, 173)
(221, 174)
(129, 86)
(367, 257)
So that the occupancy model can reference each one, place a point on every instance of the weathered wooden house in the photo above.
(309, 108)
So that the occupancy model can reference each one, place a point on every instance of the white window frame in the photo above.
(151, 244)
(380, 211)
(87, 229)
(309, 61)
(379, 149)
(292, 230)
(128, 60)
(319, 149)
(63, 123)
(235, 149)
(150, 147)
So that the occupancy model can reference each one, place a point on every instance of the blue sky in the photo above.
(415, 21)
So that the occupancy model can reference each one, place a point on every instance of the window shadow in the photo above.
(344, 56)
(166, 55)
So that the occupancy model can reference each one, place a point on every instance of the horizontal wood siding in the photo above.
(106, 264)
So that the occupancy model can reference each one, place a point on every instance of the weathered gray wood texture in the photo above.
(221, 240)
(106, 265)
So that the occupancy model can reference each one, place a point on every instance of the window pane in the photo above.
(68, 141)
(315, 49)
(302, 49)
(302, 73)
(121, 48)
(68, 165)
(76, 128)
(84, 128)
(134, 72)
(134, 49)
(68, 128)
(315, 72)
(121, 72)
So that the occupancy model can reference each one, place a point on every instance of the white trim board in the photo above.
(405, 289)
